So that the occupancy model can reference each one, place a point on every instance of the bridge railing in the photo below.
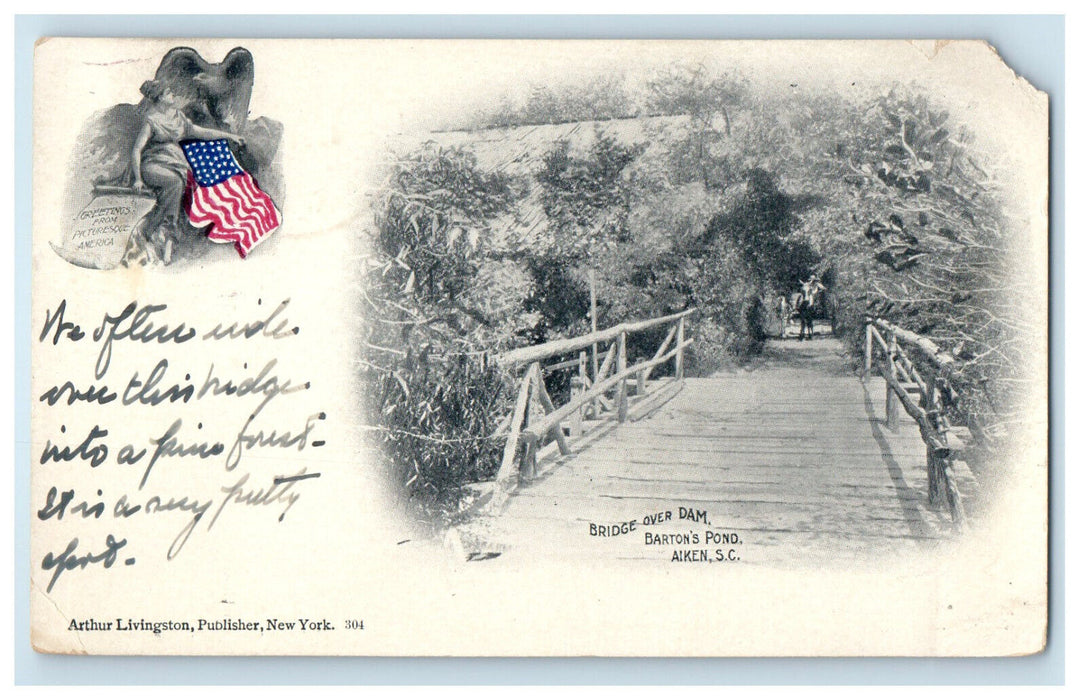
(923, 390)
(603, 394)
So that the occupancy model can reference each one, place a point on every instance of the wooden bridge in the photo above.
(797, 459)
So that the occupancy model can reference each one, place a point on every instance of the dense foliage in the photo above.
(883, 197)
(927, 246)
(436, 300)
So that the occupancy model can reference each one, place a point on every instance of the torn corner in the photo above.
(931, 48)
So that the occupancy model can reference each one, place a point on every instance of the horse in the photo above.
(805, 305)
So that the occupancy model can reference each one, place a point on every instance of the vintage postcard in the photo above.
(508, 348)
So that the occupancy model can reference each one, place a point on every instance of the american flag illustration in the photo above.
(227, 197)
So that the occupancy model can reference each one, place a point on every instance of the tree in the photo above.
(438, 298)
(600, 99)
(708, 101)
(760, 228)
(586, 200)
(916, 228)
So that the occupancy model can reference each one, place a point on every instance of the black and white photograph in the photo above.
(704, 311)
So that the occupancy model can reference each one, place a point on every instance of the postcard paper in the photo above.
(512, 348)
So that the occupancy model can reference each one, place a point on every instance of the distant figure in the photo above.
(806, 305)
(784, 312)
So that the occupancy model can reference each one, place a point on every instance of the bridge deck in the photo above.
(789, 457)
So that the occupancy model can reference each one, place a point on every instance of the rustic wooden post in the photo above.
(891, 404)
(946, 489)
(600, 404)
(867, 350)
(506, 478)
(940, 493)
(892, 410)
(528, 461)
(549, 407)
(680, 338)
(932, 464)
(621, 367)
(580, 381)
(592, 321)
(932, 458)
(640, 388)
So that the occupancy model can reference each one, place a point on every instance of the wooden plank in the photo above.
(794, 441)
(926, 346)
(818, 456)
(692, 463)
(597, 389)
(655, 399)
(747, 481)
(751, 454)
(562, 347)
(749, 435)
(731, 433)
(560, 365)
(872, 495)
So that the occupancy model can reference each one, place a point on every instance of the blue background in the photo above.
(1033, 45)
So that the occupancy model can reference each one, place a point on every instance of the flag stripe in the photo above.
(208, 212)
(233, 220)
(227, 199)
(223, 228)
(250, 187)
(233, 217)
(250, 216)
